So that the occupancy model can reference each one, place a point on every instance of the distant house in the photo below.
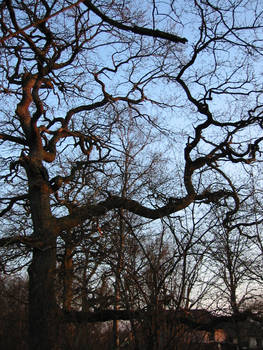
(246, 334)
(200, 329)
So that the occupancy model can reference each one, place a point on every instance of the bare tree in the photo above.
(67, 73)
(14, 307)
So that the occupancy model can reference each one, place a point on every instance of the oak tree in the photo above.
(70, 71)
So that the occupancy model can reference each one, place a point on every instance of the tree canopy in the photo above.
(184, 77)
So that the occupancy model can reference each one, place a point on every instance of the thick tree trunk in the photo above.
(43, 310)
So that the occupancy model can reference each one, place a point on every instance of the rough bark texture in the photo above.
(43, 310)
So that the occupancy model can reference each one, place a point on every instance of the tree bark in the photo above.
(68, 277)
(43, 310)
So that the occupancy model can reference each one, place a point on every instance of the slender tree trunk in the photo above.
(68, 270)
(116, 323)
(68, 277)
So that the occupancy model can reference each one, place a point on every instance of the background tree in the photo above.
(14, 313)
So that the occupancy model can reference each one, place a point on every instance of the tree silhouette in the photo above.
(69, 72)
